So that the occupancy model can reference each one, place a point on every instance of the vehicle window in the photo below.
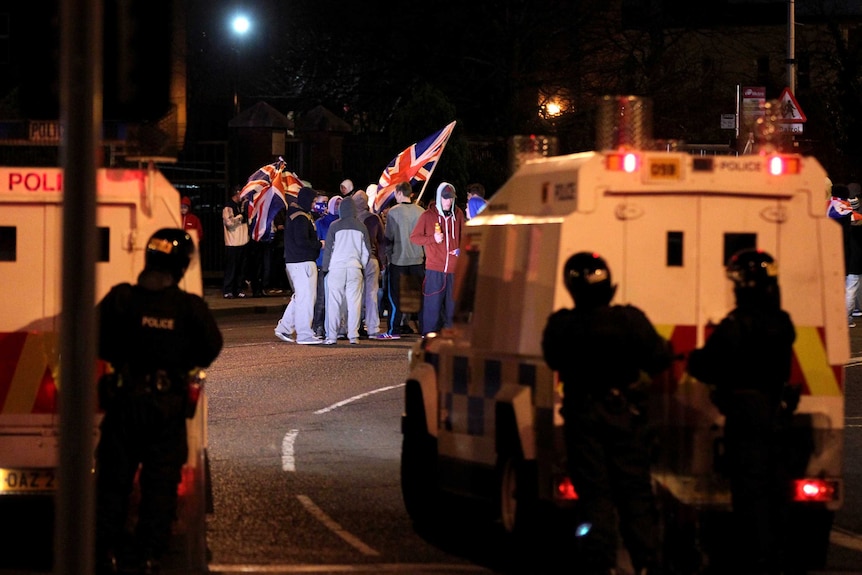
(8, 244)
(466, 276)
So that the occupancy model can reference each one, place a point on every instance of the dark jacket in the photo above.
(155, 325)
(751, 349)
(596, 349)
(300, 237)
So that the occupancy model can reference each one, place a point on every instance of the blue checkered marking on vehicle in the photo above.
(527, 375)
(460, 375)
(447, 422)
(475, 416)
(493, 377)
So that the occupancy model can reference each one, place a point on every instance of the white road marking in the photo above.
(844, 538)
(333, 526)
(356, 397)
(288, 462)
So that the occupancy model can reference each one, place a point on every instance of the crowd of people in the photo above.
(349, 267)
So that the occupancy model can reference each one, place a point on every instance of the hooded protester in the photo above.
(322, 226)
(375, 263)
(346, 188)
(301, 248)
(345, 256)
(439, 232)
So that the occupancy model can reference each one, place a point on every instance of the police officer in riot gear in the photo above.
(746, 361)
(601, 352)
(153, 334)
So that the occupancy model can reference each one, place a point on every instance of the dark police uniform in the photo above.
(747, 361)
(153, 334)
(600, 352)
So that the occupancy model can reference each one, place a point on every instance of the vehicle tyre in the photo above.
(517, 494)
(419, 487)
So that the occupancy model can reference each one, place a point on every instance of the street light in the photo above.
(241, 25)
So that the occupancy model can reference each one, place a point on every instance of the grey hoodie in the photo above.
(347, 241)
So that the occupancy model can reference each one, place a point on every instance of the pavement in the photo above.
(222, 307)
(276, 303)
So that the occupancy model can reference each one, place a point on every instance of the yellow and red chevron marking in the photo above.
(28, 370)
(810, 366)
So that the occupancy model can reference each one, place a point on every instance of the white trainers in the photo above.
(284, 337)
(310, 341)
(327, 342)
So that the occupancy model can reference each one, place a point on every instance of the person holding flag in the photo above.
(406, 259)
(266, 192)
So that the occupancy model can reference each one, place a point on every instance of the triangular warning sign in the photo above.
(789, 109)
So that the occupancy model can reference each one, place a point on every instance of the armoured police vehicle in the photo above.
(481, 413)
(131, 204)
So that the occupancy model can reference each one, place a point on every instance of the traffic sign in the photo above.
(789, 109)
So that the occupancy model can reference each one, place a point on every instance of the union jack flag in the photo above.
(266, 192)
(837, 208)
(414, 164)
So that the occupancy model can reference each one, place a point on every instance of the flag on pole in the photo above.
(266, 193)
(414, 164)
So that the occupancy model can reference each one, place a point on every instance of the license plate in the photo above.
(27, 481)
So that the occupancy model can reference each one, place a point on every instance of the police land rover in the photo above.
(481, 415)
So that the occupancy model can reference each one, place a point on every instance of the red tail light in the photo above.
(566, 490)
(187, 482)
(46, 397)
(815, 490)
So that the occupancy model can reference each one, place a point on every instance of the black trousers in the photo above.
(394, 275)
(146, 430)
(608, 461)
(234, 269)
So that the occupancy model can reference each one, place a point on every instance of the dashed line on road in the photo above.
(333, 526)
(356, 397)
(288, 460)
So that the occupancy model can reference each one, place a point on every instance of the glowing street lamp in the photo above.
(241, 26)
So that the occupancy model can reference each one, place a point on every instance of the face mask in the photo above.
(319, 207)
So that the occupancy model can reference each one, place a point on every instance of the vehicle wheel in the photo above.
(419, 474)
(517, 494)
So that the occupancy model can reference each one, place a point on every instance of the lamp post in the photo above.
(240, 25)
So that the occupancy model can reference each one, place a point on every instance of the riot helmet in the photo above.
(752, 268)
(754, 274)
(170, 250)
(588, 280)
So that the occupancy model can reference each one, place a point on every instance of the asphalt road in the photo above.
(845, 553)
